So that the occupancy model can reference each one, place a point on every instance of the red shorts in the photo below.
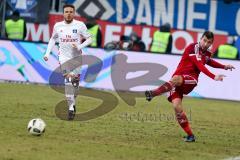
(189, 82)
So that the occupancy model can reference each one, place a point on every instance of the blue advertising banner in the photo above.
(195, 15)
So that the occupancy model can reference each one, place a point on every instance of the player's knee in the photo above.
(177, 104)
(177, 80)
(178, 109)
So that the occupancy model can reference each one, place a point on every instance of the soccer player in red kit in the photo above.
(185, 78)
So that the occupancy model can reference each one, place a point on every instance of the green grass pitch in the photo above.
(146, 131)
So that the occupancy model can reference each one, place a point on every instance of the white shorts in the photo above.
(71, 66)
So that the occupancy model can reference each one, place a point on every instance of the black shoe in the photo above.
(149, 95)
(74, 107)
(189, 138)
(71, 114)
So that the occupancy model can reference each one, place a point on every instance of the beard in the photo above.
(68, 20)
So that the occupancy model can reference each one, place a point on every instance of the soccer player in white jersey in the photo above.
(69, 34)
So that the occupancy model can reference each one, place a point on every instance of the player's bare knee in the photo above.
(178, 109)
(177, 104)
(174, 105)
(176, 80)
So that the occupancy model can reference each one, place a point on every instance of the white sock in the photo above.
(76, 89)
(69, 93)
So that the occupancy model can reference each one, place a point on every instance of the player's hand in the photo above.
(74, 45)
(229, 67)
(45, 58)
(219, 77)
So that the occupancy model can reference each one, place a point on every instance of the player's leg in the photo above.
(66, 69)
(175, 97)
(71, 73)
(69, 94)
(182, 119)
(176, 80)
(75, 83)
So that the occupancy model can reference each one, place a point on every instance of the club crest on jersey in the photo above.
(74, 31)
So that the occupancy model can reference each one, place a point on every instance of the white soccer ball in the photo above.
(36, 126)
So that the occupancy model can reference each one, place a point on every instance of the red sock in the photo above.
(183, 121)
(162, 89)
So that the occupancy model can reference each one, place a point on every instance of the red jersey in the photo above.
(193, 61)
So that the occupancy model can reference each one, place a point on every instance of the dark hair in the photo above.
(68, 5)
(16, 13)
(165, 27)
(208, 34)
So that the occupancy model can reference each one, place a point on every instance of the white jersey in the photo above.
(66, 35)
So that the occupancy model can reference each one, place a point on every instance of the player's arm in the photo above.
(51, 43)
(216, 64)
(87, 36)
(200, 66)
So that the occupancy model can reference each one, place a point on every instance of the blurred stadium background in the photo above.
(145, 131)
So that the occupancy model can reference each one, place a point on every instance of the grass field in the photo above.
(120, 134)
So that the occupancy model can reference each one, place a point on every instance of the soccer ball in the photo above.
(36, 126)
